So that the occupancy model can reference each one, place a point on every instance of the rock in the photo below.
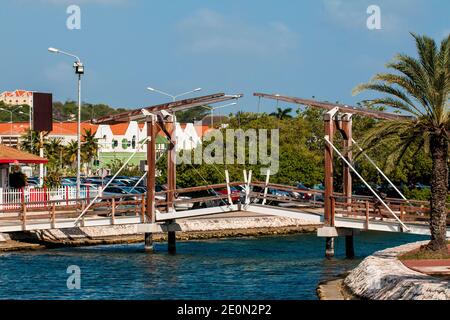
(383, 277)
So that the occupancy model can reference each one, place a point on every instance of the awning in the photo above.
(10, 155)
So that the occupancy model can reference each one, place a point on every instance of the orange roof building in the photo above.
(13, 156)
(122, 137)
(17, 97)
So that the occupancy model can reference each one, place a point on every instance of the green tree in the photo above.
(30, 141)
(420, 87)
(89, 146)
(54, 152)
(70, 153)
(282, 114)
(191, 115)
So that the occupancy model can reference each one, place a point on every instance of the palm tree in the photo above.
(282, 113)
(420, 87)
(70, 151)
(30, 141)
(89, 147)
(54, 151)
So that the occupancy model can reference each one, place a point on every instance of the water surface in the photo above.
(283, 267)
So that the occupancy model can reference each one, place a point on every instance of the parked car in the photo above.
(275, 196)
(179, 206)
(319, 195)
(116, 191)
(305, 193)
(235, 193)
(203, 203)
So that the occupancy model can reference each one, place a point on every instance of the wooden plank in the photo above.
(171, 106)
(330, 106)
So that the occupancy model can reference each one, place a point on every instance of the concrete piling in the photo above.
(171, 242)
(148, 240)
(349, 247)
(329, 247)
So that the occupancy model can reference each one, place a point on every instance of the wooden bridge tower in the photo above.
(338, 118)
(161, 118)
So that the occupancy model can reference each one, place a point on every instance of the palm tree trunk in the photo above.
(439, 188)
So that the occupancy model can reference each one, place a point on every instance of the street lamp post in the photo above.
(29, 128)
(79, 70)
(11, 121)
(212, 110)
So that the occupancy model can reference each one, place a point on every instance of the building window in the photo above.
(125, 144)
(133, 142)
(115, 143)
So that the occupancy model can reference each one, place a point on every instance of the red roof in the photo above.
(59, 128)
(119, 129)
(10, 155)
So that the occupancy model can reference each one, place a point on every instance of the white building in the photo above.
(115, 141)
(17, 97)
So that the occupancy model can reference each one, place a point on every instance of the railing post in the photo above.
(248, 181)
(143, 209)
(367, 215)
(53, 215)
(113, 211)
(266, 186)
(227, 179)
(402, 212)
(333, 211)
(24, 216)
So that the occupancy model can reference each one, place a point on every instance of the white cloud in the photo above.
(208, 31)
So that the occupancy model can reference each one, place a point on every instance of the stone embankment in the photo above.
(383, 276)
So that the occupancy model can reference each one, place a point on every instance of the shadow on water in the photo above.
(284, 267)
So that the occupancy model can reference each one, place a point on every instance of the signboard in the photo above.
(42, 111)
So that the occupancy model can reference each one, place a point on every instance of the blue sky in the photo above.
(305, 48)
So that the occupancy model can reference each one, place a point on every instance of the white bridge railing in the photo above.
(38, 197)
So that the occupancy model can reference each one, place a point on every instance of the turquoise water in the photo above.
(284, 267)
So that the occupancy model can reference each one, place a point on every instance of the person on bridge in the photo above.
(377, 205)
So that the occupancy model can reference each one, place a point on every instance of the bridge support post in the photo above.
(330, 127)
(172, 242)
(349, 247)
(329, 247)
(171, 227)
(148, 239)
(348, 143)
(171, 164)
(151, 173)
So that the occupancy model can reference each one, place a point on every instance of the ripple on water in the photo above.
(284, 267)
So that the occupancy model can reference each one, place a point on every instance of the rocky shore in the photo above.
(383, 276)
(334, 290)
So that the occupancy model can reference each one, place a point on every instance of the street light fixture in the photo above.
(215, 108)
(174, 97)
(79, 70)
